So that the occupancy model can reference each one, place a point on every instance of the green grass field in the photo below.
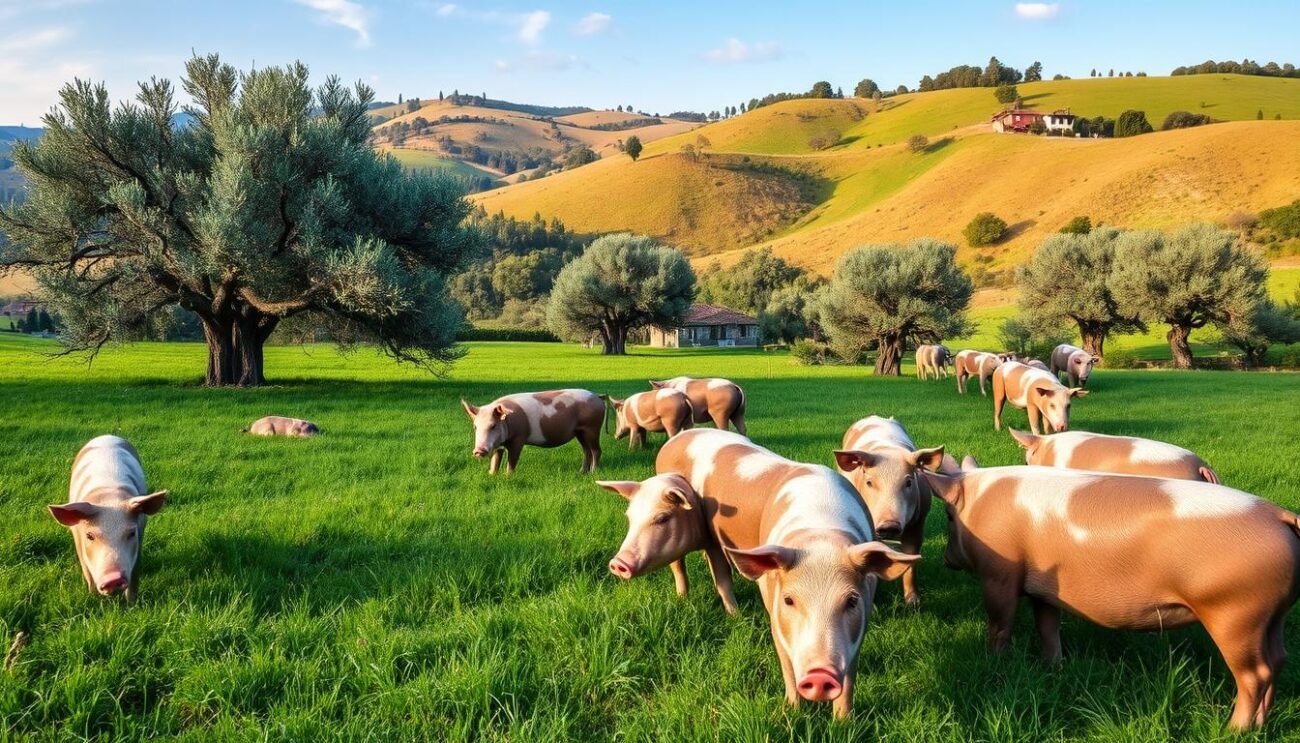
(376, 583)
(424, 159)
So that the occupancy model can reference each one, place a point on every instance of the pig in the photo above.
(881, 461)
(1120, 455)
(1036, 364)
(1075, 362)
(977, 364)
(801, 532)
(664, 409)
(275, 425)
(1130, 552)
(1038, 393)
(712, 399)
(545, 419)
(932, 359)
(108, 505)
(666, 523)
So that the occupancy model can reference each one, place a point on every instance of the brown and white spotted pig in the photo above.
(663, 410)
(1075, 362)
(545, 419)
(665, 523)
(881, 461)
(106, 511)
(977, 364)
(1040, 394)
(932, 360)
(276, 425)
(1121, 455)
(801, 532)
(712, 399)
(1130, 552)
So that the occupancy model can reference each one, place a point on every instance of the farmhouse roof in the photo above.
(712, 314)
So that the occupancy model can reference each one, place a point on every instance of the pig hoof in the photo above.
(913, 600)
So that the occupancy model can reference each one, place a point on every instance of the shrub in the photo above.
(1132, 123)
(1124, 360)
(518, 335)
(1184, 120)
(825, 140)
(1018, 336)
(812, 353)
(918, 143)
(1283, 220)
(1038, 127)
(1080, 225)
(1006, 93)
(985, 229)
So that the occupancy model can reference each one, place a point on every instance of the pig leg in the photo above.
(1244, 643)
(1047, 618)
(961, 381)
(679, 575)
(721, 571)
(719, 420)
(495, 462)
(842, 707)
(512, 457)
(999, 401)
(911, 544)
(1000, 596)
(1035, 418)
(983, 379)
(738, 420)
(787, 670)
(590, 444)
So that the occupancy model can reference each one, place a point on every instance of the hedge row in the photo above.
(525, 335)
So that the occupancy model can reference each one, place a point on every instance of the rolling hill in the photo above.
(871, 188)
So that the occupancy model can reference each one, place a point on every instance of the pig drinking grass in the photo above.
(376, 582)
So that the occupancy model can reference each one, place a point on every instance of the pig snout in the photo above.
(890, 529)
(623, 566)
(480, 451)
(112, 583)
(820, 685)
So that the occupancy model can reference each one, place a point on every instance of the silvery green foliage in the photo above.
(620, 283)
(261, 201)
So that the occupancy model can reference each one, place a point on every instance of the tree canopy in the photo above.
(866, 88)
(1068, 279)
(633, 147)
(1188, 279)
(271, 203)
(889, 295)
(622, 282)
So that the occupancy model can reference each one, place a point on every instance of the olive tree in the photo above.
(1068, 279)
(891, 295)
(622, 282)
(1269, 323)
(271, 203)
(1188, 279)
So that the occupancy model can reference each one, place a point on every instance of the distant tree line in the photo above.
(517, 267)
(820, 89)
(1244, 67)
(990, 75)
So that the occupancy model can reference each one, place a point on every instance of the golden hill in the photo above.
(871, 188)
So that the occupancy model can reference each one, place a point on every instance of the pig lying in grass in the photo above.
(1121, 455)
(106, 511)
(1130, 552)
(276, 425)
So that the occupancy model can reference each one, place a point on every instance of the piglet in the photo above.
(277, 425)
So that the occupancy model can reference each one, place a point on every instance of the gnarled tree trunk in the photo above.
(1094, 339)
(223, 361)
(890, 358)
(1179, 347)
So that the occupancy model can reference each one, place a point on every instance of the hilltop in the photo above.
(870, 188)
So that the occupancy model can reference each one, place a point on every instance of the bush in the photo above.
(1283, 220)
(826, 140)
(1038, 127)
(1184, 120)
(1080, 225)
(984, 229)
(1017, 336)
(812, 353)
(918, 143)
(1124, 360)
(1132, 123)
(518, 335)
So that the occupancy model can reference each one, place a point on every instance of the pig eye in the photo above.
(789, 600)
(852, 601)
(869, 483)
(90, 537)
(130, 535)
(661, 519)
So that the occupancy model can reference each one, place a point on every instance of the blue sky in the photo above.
(658, 56)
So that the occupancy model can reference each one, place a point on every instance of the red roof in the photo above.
(712, 314)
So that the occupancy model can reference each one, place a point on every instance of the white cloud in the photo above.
(593, 23)
(34, 41)
(735, 51)
(539, 59)
(447, 9)
(352, 16)
(534, 23)
(1038, 11)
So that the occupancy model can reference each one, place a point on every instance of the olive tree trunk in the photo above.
(1094, 340)
(890, 359)
(1179, 347)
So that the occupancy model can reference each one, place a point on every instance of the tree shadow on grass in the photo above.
(938, 144)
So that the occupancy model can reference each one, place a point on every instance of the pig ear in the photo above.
(1026, 440)
(1078, 392)
(754, 563)
(677, 497)
(949, 466)
(1096, 359)
(658, 385)
(968, 464)
(470, 410)
(849, 460)
(1044, 391)
(73, 513)
(148, 504)
(625, 488)
(501, 411)
(931, 459)
(876, 558)
(948, 488)
(617, 403)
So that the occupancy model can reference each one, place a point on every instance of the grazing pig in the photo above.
(545, 419)
(107, 507)
(977, 364)
(1075, 362)
(1130, 552)
(881, 461)
(276, 425)
(1038, 393)
(665, 410)
(1121, 455)
(802, 533)
(665, 523)
(932, 359)
(712, 400)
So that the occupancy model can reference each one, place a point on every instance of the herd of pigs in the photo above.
(1129, 533)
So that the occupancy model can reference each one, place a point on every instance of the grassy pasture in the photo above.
(376, 583)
